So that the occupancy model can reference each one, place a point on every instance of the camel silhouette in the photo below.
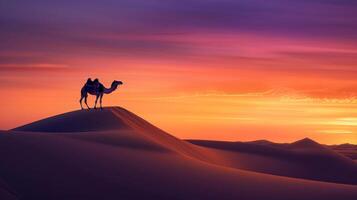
(97, 89)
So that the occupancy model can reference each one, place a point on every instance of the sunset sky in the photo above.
(233, 70)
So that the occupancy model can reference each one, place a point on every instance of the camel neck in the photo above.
(110, 90)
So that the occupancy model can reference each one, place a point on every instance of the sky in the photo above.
(235, 70)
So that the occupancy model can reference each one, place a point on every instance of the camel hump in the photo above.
(89, 81)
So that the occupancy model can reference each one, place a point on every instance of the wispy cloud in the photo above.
(336, 131)
(39, 67)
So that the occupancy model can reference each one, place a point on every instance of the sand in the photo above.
(74, 156)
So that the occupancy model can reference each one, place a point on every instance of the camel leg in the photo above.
(96, 100)
(80, 102)
(85, 101)
(100, 101)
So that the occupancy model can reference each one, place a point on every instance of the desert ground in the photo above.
(115, 154)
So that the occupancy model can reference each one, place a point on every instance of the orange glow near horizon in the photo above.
(277, 89)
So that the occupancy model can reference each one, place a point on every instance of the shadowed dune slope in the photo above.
(6, 193)
(302, 159)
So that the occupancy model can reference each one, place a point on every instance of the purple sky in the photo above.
(69, 20)
(50, 30)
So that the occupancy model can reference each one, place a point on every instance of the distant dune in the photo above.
(114, 154)
(349, 150)
(302, 159)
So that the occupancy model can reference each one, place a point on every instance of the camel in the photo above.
(98, 90)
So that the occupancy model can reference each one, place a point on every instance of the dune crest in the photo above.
(77, 121)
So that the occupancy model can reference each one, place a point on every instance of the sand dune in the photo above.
(348, 150)
(133, 160)
(301, 159)
(117, 119)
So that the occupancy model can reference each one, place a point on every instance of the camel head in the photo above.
(116, 83)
